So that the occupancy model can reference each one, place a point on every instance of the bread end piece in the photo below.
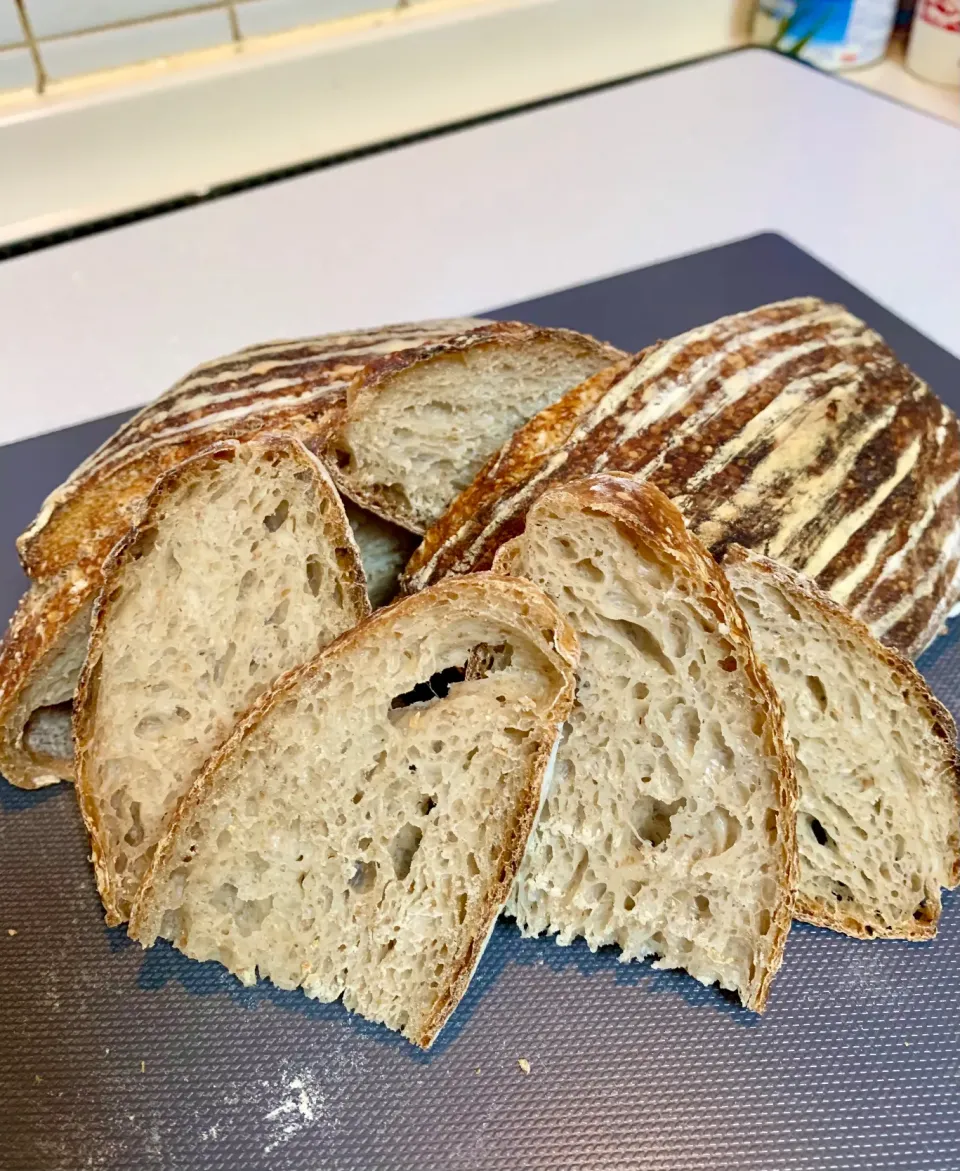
(879, 812)
(40, 658)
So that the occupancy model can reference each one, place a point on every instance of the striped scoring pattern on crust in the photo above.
(792, 430)
(285, 385)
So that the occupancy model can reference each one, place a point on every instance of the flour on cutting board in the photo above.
(301, 1105)
(303, 1096)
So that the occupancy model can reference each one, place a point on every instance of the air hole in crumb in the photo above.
(651, 819)
(279, 616)
(143, 544)
(314, 574)
(461, 908)
(473, 868)
(405, 844)
(134, 835)
(246, 584)
(821, 835)
(364, 876)
(436, 687)
(427, 802)
(818, 691)
(276, 518)
(589, 569)
(222, 664)
(644, 642)
(358, 797)
(729, 663)
(487, 660)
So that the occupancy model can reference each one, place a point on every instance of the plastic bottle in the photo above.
(832, 34)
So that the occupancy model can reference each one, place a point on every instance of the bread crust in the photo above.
(541, 623)
(792, 429)
(375, 377)
(646, 518)
(85, 704)
(915, 690)
(289, 386)
(285, 386)
(47, 615)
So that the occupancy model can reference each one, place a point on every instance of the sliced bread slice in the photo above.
(878, 826)
(241, 567)
(670, 828)
(418, 424)
(368, 857)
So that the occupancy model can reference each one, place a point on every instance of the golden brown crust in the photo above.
(374, 378)
(45, 617)
(290, 386)
(915, 691)
(792, 429)
(114, 568)
(649, 520)
(542, 622)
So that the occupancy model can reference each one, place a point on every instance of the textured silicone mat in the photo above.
(113, 1058)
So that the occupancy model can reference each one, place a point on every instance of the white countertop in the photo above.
(520, 206)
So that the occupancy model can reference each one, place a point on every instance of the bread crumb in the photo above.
(11, 931)
(477, 1070)
(143, 1067)
(37, 1079)
(907, 1043)
(524, 1064)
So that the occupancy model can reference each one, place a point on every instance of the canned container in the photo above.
(831, 34)
(934, 49)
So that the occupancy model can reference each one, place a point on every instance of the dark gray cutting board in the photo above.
(113, 1058)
